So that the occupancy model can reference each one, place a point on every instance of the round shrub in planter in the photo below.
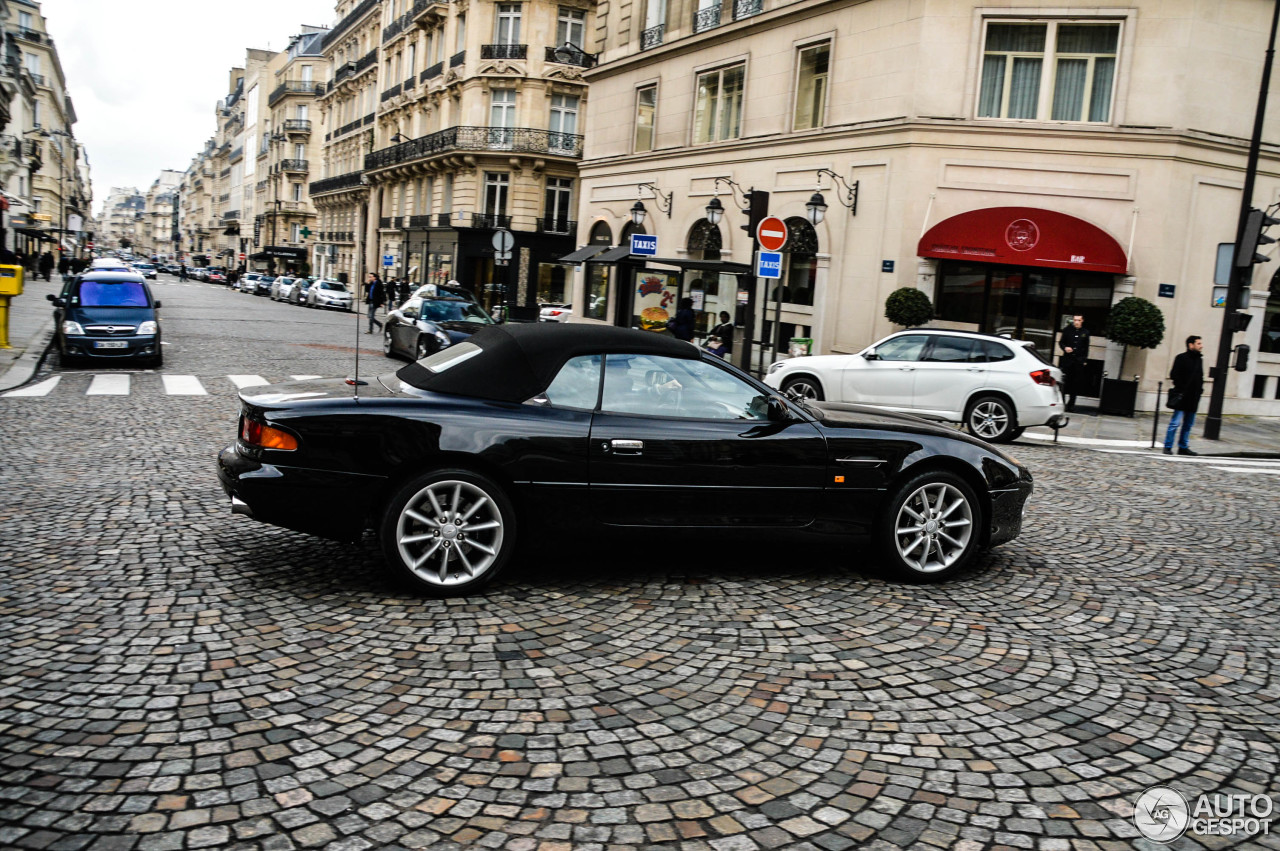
(908, 307)
(1137, 322)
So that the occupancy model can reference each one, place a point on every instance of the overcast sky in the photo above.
(144, 75)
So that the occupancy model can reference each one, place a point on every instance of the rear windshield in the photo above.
(113, 294)
(1031, 347)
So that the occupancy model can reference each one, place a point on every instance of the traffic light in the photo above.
(1253, 237)
(1237, 321)
(1242, 358)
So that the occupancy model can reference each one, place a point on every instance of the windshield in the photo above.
(330, 285)
(454, 311)
(113, 294)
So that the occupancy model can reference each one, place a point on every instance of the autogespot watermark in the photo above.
(1162, 814)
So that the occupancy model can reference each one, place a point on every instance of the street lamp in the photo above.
(817, 206)
(715, 210)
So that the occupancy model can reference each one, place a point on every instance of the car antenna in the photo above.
(354, 380)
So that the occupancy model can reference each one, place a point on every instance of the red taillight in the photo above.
(255, 433)
(1043, 376)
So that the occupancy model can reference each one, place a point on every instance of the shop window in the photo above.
(811, 87)
(1049, 71)
(598, 275)
(961, 290)
(801, 275)
(717, 113)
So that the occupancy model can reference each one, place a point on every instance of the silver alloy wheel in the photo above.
(989, 419)
(449, 533)
(386, 343)
(804, 388)
(422, 351)
(933, 527)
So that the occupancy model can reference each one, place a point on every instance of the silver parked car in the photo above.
(280, 288)
(331, 294)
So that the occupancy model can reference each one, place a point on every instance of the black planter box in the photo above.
(1118, 397)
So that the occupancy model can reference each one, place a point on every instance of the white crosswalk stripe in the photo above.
(44, 388)
(247, 380)
(183, 385)
(109, 385)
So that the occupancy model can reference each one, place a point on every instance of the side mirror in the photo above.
(778, 411)
(57, 300)
(51, 297)
(158, 303)
(871, 355)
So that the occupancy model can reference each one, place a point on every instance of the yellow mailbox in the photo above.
(10, 280)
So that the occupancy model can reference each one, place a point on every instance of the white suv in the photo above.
(996, 386)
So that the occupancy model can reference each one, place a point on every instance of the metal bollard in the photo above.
(1155, 416)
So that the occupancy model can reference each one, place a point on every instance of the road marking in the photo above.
(1266, 471)
(305, 377)
(41, 389)
(1085, 441)
(1156, 454)
(183, 385)
(241, 381)
(109, 385)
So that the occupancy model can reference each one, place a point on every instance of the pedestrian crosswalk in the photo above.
(126, 384)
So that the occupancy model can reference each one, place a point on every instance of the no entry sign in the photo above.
(772, 233)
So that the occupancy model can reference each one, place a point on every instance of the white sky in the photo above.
(144, 75)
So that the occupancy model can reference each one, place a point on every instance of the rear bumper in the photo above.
(318, 502)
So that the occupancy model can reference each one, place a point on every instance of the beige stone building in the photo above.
(155, 238)
(123, 219)
(452, 122)
(1017, 162)
(195, 215)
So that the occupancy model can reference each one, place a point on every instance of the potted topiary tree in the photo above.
(1132, 322)
(908, 307)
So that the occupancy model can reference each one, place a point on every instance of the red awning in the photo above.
(1024, 236)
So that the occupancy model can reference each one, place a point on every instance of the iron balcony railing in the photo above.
(490, 221)
(706, 18)
(421, 7)
(652, 37)
(294, 165)
(230, 215)
(393, 29)
(350, 180)
(297, 125)
(521, 140)
(747, 8)
(552, 224)
(582, 60)
(423, 221)
(295, 87)
(237, 154)
(504, 51)
(410, 83)
(433, 71)
(368, 60)
(394, 91)
(457, 59)
(347, 21)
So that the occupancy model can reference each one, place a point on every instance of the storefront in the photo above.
(1025, 272)
(281, 259)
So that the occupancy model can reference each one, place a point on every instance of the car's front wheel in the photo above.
(803, 387)
(993, 419)
(423, 350)
(449, 532)
(930, 527)
(386, 344)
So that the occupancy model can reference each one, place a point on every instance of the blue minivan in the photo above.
(108, 316)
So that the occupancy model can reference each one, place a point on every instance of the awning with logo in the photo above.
(1024, 236)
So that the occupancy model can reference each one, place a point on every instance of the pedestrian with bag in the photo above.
(1187, 375)
(724, 333)
(374, 297)
(1074, 344)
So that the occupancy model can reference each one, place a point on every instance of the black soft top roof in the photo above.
(519, 361)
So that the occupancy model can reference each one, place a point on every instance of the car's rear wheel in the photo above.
(449, 532)
(993, 419)
(804, 387)
(931, 526)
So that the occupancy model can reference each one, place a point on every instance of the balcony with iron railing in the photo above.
(410, 83)
(297, 125)
(490, 221)
(351, 180)
(552, 224)
(295, 87)
(457, 59)
(504, 51)
(520, 140)
(424, 12)
(231, 215)
(706, 18)
(567, 57)
(431, 71)
(747, 8)
(394, 91)
(652, 37)
(300, 166)
(367, 61)
(350, 19)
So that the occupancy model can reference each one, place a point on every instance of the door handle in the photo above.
(626, 447)
(906, 369)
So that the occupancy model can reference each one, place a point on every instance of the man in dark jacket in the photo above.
(1074, 344)
(1187, 375)
(374, 296)
(46, 266)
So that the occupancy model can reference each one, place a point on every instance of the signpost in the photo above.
(503, 242)
(772, 233)
(769, 264)
(388, 260)
(644, 245)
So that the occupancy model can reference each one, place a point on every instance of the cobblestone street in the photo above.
(175, 677)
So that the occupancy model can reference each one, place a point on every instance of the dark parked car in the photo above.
(108, 316)
(548, 430)
(423, 326)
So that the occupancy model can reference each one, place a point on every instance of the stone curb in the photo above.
(27, 363)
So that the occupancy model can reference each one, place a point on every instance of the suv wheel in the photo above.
(993, 419)
(803, 387)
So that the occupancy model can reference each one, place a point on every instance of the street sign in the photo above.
(1167, 290)
(644, 244)
(772, 233)
(388, 260)
(503, 241)
(769, 264)
(501, 258)
(241, 256)
(89, 245)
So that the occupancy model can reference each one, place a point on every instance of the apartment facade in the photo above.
(156, 237)
(124, 223)
(447, 126)
(1016, 163)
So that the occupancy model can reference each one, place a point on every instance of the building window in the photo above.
(570, 27)
(412, 65)
(295, 232)
(1049, 71)
(563, 126)
(24, 21)
(306, 73)
(559, 206)
(300, 112)
(718, 110)
(297, 191)
(496, 187)
(502, 117)
(446, 202)
(646, 107)
(33, 62)
(461, 33)
(811, 87)
(507, 30)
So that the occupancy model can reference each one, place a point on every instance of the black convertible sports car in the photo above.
(526, 428)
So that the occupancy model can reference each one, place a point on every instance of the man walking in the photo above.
(46, 266)
(374, 297)
(1187, 375)
(1074, 343)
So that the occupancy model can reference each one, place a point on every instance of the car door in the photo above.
(884, 375)
(947, 375)
(683, 442)
(402, 325)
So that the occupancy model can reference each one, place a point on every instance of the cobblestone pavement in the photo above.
(176, 677)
